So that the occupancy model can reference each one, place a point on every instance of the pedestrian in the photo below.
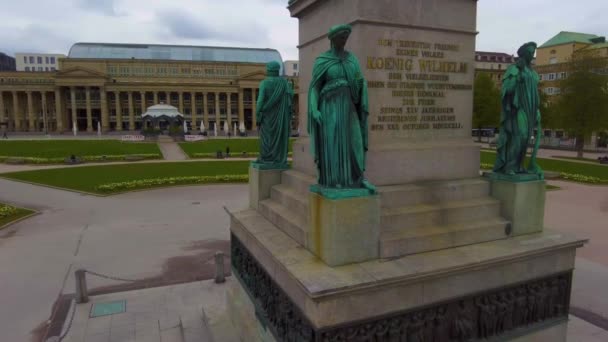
(227, 151)
(4, 135)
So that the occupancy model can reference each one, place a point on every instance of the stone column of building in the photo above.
(89, 109)
(168, 98)
(58, 110)
(16, 117)
(118, 111)
(254, 124)
(2, 110)
(241, 108)
(131, 112)
(217, 111)
(105, 117)
(206, 111)
(73, 102)
(229, 110)
(181, 102)
(142, 94)
(44, 112)
(193, 111)
(30, 112)
(155, 98)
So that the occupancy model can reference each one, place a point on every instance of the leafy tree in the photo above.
(583, 104)
(486, 103)
(548, 112)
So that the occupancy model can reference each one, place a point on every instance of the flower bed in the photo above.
(90, 159)
(7, 211)
(582, 178)
(156, 182)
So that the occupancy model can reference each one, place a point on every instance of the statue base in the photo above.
(261, 181)
(284, 292)
(522, 203)
(269, 166)
(518, 177)
(344, 230)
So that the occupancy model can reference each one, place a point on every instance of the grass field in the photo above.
(88, 178)
(579, 159)
(79, 148)
(15, 214)
(211, 146)
(561, 166)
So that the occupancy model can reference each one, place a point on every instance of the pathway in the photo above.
(171, 151)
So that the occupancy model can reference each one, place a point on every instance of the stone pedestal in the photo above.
(522, 203)
(261, 182)
(344, 231)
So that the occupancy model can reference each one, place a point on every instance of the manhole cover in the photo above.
(109, 308)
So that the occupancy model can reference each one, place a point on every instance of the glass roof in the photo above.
(174, 52)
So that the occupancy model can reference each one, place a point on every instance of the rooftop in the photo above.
(565, 37)
(174, 52)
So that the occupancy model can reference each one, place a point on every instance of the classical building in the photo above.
(115, 83)
(38, 61)
(493, 63)
(292, 68)
(7, 63)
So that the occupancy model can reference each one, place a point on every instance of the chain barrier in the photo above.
(105, 276)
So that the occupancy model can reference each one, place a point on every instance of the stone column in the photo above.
(89, 110)
(45, 123)
(131, 112)
(73, 102)
(229, 109)
(142, 94)
(58, 111)
(168, 98)
(16, 118)
(193, 111)
(241, 109)
(217, 111)
(105, 117)
(155, 98)
(180, 104)
(2, 110)
(30, 112)
(254, 124)
(118, 111)
(206, 111)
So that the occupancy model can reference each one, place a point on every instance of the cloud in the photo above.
(102, 6)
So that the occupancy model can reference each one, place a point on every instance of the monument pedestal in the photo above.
(261, 181)
(522, 203)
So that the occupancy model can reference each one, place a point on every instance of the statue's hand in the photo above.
(316, 115)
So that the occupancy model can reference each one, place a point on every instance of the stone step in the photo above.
(432, 192)
(286, 220)
(424, 239)
(299, 181)
(294, 200)
(447, 213)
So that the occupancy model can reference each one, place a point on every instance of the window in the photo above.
(39, 68)
(46, 60)
(563, 75)
(39, 60)
(27, 68)
(53, 69)
(295, 66)
(46, 68)
(25, 59)
(559, 134)
(551, 76)
(32, 60)
(553, 52)
(548, 133)
(295, 73)
(52, 60)
(553, 60)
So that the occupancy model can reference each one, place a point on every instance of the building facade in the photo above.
(7, 63)
(494, 64)
(292, 68)
(207, 84)
(38, 62)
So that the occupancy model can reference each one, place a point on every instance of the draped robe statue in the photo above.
(337, 116)
(519, 117)
(273, 116)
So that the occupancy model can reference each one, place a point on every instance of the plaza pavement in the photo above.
(166, 233)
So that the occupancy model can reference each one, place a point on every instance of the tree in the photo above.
(583, 104)
(486, 103)
(548, 112)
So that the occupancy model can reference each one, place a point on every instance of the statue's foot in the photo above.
(369, 186)
(511, 173)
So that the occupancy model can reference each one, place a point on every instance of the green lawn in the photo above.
(579, 159)
(561, 166)
(16, 213)
(80, 148)
(211, 146)
(88, 178)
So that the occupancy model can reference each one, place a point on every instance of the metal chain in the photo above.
(111, 277)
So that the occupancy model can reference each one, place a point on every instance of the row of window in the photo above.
(164, 71)
(40, 69)
(553, 76)
(38, 59)
(552, 91)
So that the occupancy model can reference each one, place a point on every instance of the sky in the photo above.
(52, 26)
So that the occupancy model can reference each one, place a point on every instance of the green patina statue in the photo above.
(337, 119)
(519, 118)
(273, 116)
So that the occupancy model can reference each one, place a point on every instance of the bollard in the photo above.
(82, 295)
(219, 268)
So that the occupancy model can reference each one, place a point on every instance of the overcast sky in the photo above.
(54, 25)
